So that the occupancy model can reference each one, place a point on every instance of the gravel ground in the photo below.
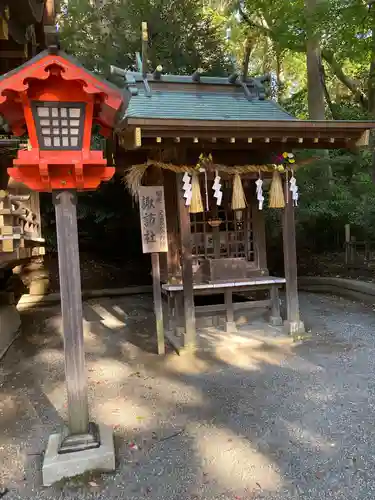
(275, 423)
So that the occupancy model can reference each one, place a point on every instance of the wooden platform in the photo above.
(261, 281)
(208, 315)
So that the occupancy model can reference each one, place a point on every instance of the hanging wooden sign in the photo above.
(154, 241)
(153, 219)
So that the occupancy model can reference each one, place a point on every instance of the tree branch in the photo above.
(350, 83)
(328, 56)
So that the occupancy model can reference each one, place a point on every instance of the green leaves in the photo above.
(182, 35)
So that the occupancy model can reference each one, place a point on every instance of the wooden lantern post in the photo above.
(82, 434)
(57, 101)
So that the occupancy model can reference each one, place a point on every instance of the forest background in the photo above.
(321, 57)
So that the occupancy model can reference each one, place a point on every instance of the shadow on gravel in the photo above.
(260, 423)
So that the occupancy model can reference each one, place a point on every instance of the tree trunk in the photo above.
(279, 75)
(314, 81)
(247, 54)
(371, 86)
(315, 86)
(313, 59)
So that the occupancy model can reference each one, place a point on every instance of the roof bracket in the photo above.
(259, 87)
(248, 94)
(130, 81)
(147, 88)
(232, 79)
(158, 72)
(141, 69)
(196, 76)
(131, 84)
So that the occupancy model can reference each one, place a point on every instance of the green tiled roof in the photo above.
(190, 105)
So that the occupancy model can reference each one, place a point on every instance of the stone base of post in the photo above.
(79, 442)
(294, 328)
(275, 321)
(57, 465)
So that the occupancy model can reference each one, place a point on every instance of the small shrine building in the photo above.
(217, 145)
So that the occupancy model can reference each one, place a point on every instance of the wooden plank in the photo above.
(275, 318)
(186, 134)
(153, 219)
(173, 256)
(7, 245)
(294, 324)
(241, 145)
(4, 32)
(171, 314)
(308, 126)
(259, 282)
(71, 307)
(6, 230)
(237, 306)
(179, 313)
(364, 139)
(230, 323)
(158, 305)
(14, 54)
(35, 208)
(187, 267)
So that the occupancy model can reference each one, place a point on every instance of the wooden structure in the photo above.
(21, 31)
(57, 102)
(169, 122)
(22, 36)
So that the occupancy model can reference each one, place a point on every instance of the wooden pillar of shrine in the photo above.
(173, 270)
(293, 322)
(259, 237)
(187, 268)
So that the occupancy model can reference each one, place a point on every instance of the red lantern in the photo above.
(57, 101)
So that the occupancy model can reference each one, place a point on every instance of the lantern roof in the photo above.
(109, 98)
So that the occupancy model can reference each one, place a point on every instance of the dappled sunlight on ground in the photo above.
(9, 407)
(234, 462)
(108, 371)
(300, 364)
(57, 398)
(49, 356)
(55, 323)
(107, 318)
(184, 364)
(124, 412)
(263, 422)
(252, 359)
(300, 436)
(321, 398)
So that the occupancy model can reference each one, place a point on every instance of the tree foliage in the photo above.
(182, 36)
(344, 31)
(275, 36)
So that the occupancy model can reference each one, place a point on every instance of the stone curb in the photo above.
(10, 324)
(54, 298)
(351, 289)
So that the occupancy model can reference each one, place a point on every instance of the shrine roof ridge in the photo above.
(136, 76)
(251, 87)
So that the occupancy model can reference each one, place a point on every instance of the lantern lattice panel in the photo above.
(59, 125)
